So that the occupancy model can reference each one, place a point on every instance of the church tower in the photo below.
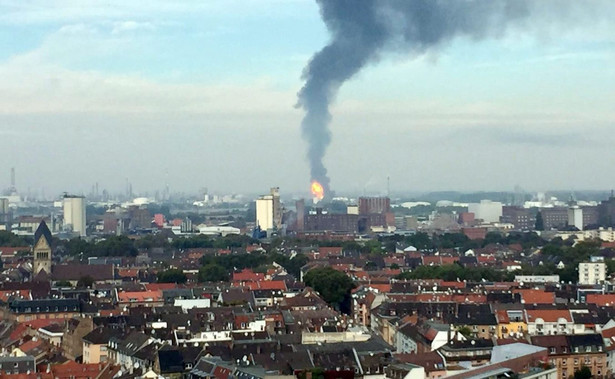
(42, 250)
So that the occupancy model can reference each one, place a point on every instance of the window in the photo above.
(552, 350)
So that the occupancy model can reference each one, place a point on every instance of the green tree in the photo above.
(115, 246)
(394, 266)
(454, 272)
(540, 224)
(13, 240)
(334, 286)
(85, 282)
(610, 266)
(373, 246)
(583, 373)
(465, 331)
(370, 266)
(77, 246)
(213, 273)
(420, 240)
(172, 275)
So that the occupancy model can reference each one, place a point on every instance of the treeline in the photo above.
(9, 239)
(545, 263)
(453, 272)
(114, 246)
(424, 241)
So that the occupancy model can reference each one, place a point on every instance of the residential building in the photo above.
(17, 365)
(570, 353)
(549, 321)
(593, 272)
(511, 323)
(29, 310)
(75, 330)
(95, 344)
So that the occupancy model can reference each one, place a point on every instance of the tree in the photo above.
(12, 240)
(583, 373)
(212, 273)
(370, 266)
(394, 266)
(172, 275)
(334, 286)
(540, 224)
(85, 282)
(454, 272)
(420, 240)
(465, 331)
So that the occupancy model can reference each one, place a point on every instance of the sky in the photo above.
(203, 94)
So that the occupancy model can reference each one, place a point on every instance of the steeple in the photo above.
(42, 249)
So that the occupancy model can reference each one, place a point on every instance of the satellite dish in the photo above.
(136, 365)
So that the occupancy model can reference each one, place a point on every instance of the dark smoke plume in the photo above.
(363, 29)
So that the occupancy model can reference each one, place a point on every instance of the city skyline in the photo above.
(205, 98)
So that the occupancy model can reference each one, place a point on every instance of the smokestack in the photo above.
(361, 30)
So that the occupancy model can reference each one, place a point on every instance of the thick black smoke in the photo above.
(362, 29)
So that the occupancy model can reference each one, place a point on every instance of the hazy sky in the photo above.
(202, 94)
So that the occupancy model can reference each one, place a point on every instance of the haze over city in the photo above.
(307, 189)
(204, 96)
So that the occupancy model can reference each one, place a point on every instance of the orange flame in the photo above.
(317, 190)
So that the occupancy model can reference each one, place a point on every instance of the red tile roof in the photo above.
(74, 370)
(548, 315)
(601, 299)
(529, 296)
(486, 259)
(140, 297)
(329, 251)
(502, 317)
(17, 294)
(382, 287)
(30, 345)
(128, 272)
(248, 275)
(437, 260)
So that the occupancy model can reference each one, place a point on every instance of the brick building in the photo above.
(554, 218)
(521, 218)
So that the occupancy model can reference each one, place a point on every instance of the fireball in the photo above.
(317, 190)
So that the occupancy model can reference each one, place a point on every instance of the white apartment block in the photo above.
(592, 272)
